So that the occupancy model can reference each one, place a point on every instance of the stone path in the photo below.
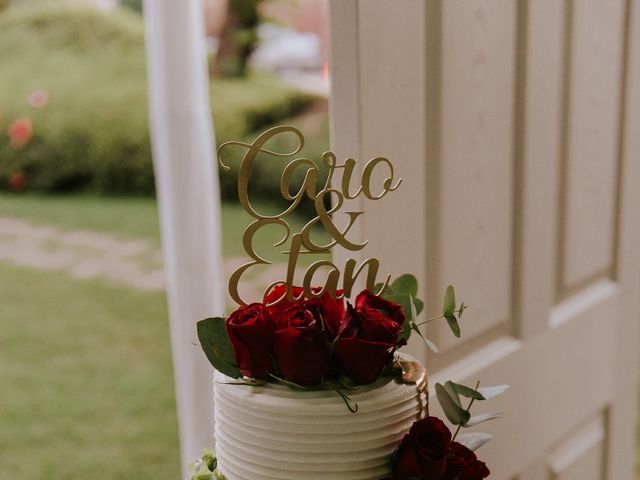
(93, 255)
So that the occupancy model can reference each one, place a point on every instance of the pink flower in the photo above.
(20, 133)
(38, 98)
(17, 182)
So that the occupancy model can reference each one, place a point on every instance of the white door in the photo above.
(516, 128)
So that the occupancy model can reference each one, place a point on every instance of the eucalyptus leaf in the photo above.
(449, 301)
(483, 417)
(452, 321)
(450, 386)
(419, 305)
(406, 284)
(404, 301)
(493, 391)
(473, 440)
(432, 346)
(467, 391)
(456, 414)
(215, 342)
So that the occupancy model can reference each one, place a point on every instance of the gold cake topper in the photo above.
(301, 242)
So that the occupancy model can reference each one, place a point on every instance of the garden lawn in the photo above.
(87, 384)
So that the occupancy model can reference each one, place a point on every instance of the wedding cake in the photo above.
(309, 382)
(274, 432)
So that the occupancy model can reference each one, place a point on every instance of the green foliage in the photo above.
(452, 409)
(449, 398)
(93, 135)
(217, 347)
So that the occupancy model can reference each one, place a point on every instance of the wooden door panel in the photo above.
(590, 180)
(475, 235)
(582, 455)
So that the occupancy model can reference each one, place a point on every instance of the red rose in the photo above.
(279, 308)
(300, 347)
(423, 451)
(464, 465)
(383, 317)
(367, 339)
(332, 309)
(251, 331)
(333, 312)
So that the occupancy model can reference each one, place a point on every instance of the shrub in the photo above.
(93, 134)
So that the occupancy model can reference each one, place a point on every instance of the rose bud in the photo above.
(423, 451)
(464, 465)
(251, 331)
(300, 348)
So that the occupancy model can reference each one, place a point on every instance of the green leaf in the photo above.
(494, 391)
(473, 440)
(406, 284)
(449, 301)
(483, 417)
(217, 346)
(419, 305)
(404, 301)
(456, 414)
(467, 391)
(453, 324)
(450, 386)
(432, 346)
(289, 384)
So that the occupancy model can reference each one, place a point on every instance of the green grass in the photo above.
(87, 385)
(131, 218)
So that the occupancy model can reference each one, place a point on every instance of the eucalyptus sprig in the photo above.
(449, 398)
(404, 290)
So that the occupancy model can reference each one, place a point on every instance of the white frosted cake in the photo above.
(274, 432)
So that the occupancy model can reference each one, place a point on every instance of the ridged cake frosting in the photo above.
(274, 432)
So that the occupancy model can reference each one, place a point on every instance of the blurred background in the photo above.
(86, 382)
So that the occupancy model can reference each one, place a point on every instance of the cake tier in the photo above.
(274, 432)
